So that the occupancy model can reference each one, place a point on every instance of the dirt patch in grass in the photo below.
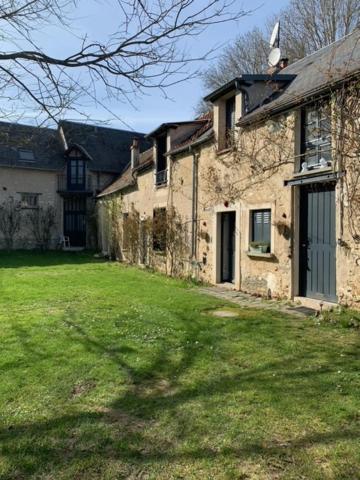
(82, 388)
(128, 422)
(155, 388)
(224, 312)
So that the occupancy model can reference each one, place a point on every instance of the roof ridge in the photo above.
(100, 126)
(17, 124)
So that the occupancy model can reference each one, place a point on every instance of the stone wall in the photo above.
(14, 181)
(235, 181)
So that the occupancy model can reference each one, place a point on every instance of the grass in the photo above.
(345, 317)
(109, 372)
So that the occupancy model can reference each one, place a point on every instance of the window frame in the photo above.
(29, 155)
(161, 177)
(262, 239)
(313, 146)
(25, 204)
(76, 173)
(125, 234)
(159, 239)
(230, 119)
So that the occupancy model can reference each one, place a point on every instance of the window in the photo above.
(126, 230)
(316, 136)
(159, 229)
(76, 174)
(161, 161)
(29, 200)
(261, 230)
(26, 155)
(229, 121)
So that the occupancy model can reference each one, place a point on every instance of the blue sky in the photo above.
(152, 108)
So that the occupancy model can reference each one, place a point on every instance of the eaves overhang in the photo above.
(245, 81)
(79, 147)
(165, 126)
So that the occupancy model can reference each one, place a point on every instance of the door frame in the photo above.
(84, 212)
(218, 210)
(296, 270)
(231, 261)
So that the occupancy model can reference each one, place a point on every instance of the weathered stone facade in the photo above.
(261, 170)
(36, 163)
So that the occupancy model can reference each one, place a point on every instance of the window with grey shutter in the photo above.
(261, 226)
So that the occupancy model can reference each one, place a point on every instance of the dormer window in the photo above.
(225, 115)
(229, 121)
(26, 155)
(316, 151)
(161, 161)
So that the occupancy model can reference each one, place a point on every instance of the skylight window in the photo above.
(26, 155)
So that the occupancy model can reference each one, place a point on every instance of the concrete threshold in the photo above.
(315, 304)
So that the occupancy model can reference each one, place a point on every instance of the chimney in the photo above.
(135, 152)
(284, 62)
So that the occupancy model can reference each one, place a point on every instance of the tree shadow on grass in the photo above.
(36, 258)
(127, 429)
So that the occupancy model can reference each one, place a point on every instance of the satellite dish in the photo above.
(274, 57)
(275, 36)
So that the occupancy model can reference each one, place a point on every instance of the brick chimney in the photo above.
(284, 62)
(135, 152)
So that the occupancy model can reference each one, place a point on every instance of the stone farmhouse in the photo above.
(65, 168)
(262, 194)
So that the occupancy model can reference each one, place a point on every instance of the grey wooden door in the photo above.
(318, 242)
(228, 246)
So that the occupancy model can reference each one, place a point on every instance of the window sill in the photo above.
(259, 255)
(316, 171)
(161, 185)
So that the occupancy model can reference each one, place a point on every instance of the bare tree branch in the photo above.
(146, 50)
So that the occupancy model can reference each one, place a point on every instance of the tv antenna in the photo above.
(275, 52)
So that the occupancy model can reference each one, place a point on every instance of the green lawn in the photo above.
(110, 372)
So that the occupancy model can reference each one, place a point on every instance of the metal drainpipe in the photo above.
(194, 211)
